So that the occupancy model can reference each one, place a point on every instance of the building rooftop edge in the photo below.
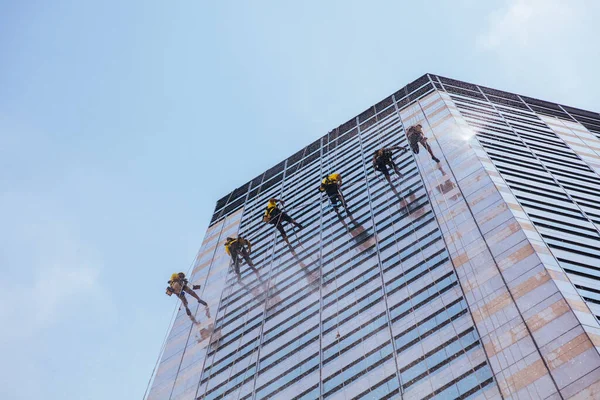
(405, 90)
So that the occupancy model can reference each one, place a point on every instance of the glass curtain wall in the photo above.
(363, 304)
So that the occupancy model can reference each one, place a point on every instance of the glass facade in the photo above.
(550, 161)
(475, 277)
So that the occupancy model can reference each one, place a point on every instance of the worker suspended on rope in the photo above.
(415, 136)
(178, 285)
(384, 158)
(236, 247)
(331, 185)
(275, 216)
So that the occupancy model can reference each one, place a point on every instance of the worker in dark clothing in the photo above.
(236, 247)
(415, 136)
(274, 216)
(178, 285)
(331, 185)
(383, 158)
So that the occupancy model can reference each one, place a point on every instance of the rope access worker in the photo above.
(383, 158)
(331, 185)
(178, 285)
(415, 136)
(236, 247)
(275, 216)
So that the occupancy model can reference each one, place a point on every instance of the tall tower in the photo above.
(476, 277)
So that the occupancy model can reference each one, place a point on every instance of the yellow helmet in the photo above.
(335, 177)
(174, 276)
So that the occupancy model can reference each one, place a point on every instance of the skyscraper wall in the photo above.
(474, 277)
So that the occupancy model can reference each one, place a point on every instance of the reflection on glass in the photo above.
(354, 291)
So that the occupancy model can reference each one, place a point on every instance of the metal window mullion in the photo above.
(578, 122)
(541, 164)
(437, 222)
(222, 292)
(320, 269)
(192, 325)
(266, 298)
(387, 309)
(501, 275)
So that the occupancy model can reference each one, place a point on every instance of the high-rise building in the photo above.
(476, 277)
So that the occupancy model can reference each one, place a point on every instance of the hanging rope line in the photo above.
(230, 286)
(335, 266)
(337, 301)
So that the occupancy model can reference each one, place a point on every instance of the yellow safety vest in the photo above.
(240, 241)
(331, 179)
(271, 206)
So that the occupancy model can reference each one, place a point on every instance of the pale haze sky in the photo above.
(122, 123)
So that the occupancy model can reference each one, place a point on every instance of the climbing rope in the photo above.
(337, 302)
(230, 286)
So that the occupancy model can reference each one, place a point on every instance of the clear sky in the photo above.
(122, 122)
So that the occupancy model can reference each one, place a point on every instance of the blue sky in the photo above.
(121, 124)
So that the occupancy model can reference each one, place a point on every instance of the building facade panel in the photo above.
(542, 173)
(472, 277)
